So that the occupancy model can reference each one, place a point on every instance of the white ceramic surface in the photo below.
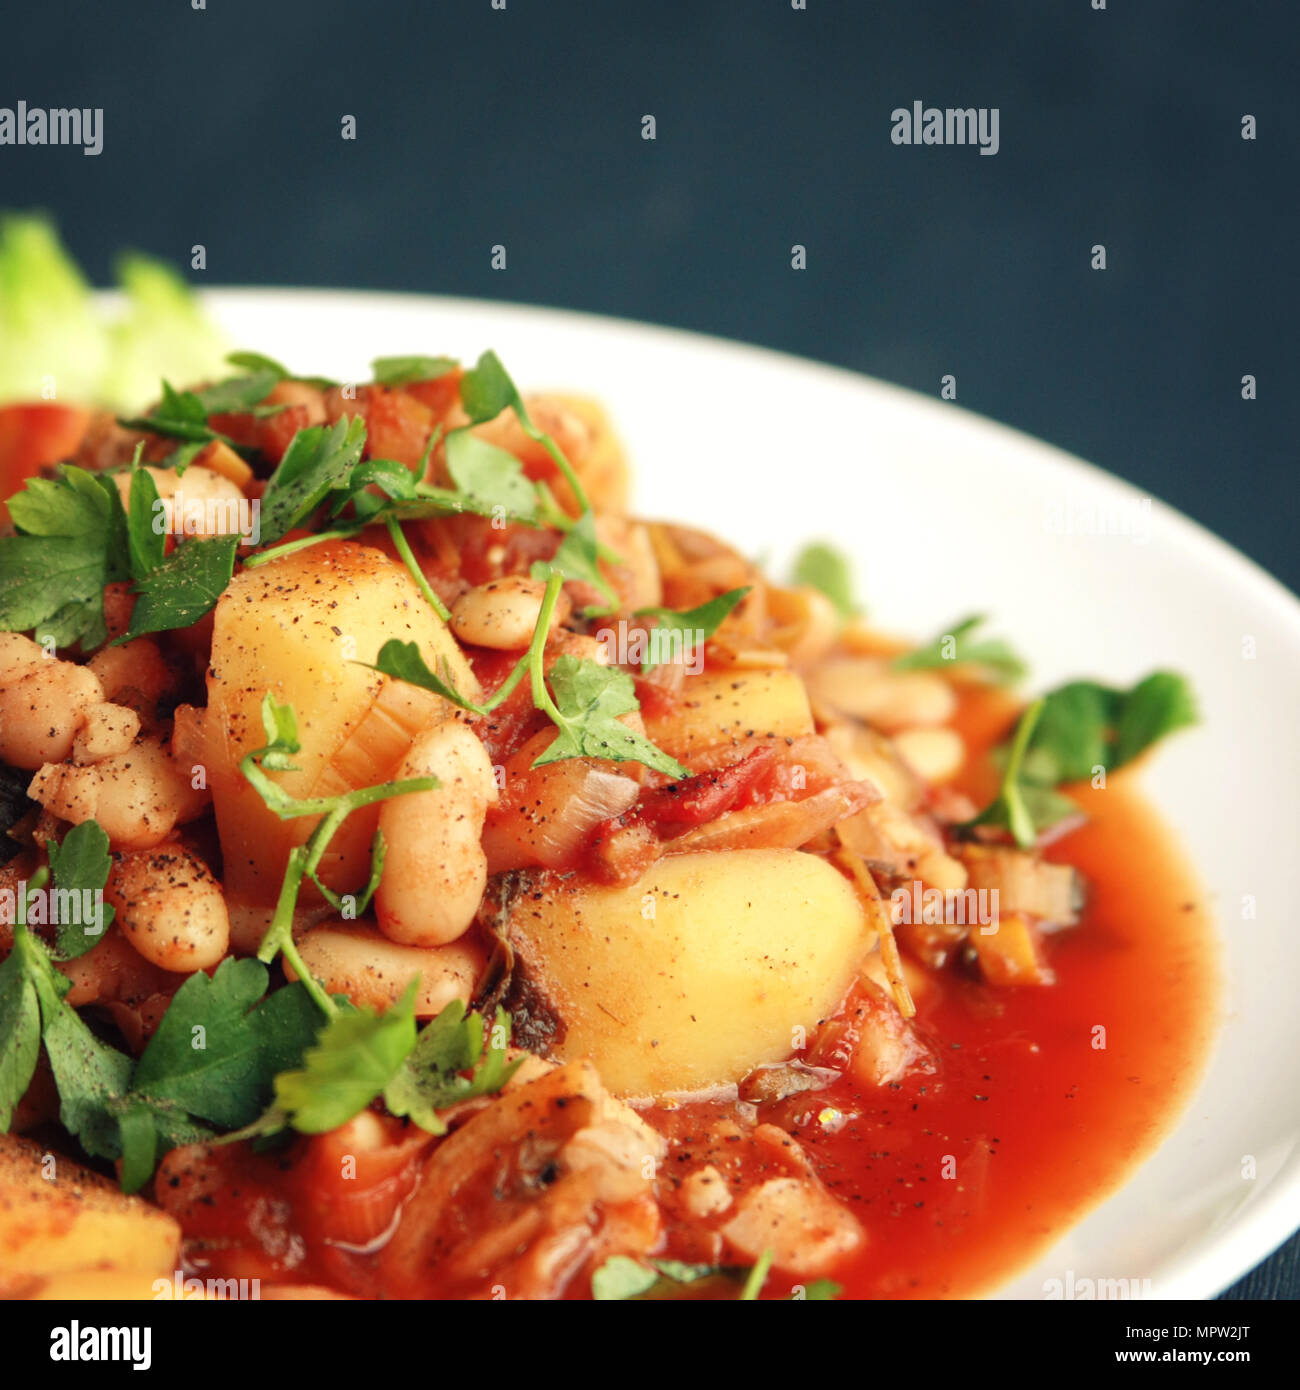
(947, 513)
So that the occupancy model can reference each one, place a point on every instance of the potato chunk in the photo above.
(705, 968)
(301, 627)
(72, 1222)
(727, 707)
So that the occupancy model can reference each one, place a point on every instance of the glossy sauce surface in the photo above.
(1038, 1121)
(1041, 1100)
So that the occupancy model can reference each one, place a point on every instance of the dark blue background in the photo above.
(523, 127)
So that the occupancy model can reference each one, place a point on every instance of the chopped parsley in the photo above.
(398, 371)
(184, 587)
(317, 460)
(1071, 733)
(81, 865)
(695, 625)
(960, 647)
(822, 567)
(71, 543)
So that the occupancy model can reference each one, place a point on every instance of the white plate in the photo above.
(947, 513)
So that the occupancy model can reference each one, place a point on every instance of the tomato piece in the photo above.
(33, 435)
(439, 394)
(704, 797)
(397, 425)
(269, 435)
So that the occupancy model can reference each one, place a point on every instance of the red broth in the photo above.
(959, 1177)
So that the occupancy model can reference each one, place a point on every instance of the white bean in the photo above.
(353, 959)
(170, 908)
(108, 729)
(435, 869)
(137, 796)
(865, 688)
(935, 754)
(503, 614)
(42, 709)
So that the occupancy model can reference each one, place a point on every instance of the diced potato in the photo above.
(300, 627)
(72, 1222)
(114, 1285)
(220, 458)
(700, 971)
(1010, 954)
(728, 707)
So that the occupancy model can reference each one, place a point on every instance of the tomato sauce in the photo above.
(1039, 1102)
(962, 1176)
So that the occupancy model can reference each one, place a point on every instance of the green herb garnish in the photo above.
(318, 460)
(71, 543)
(959, 647)
(695, 625)
(281, 729)
(588, 700)
(822, 567)
(398, 371)
(184, 587)
(1072, 733)
(432, 1078)
(487, 389)
(81, 865)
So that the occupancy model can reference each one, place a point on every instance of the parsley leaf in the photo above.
(397, 371)
(588, 700)
(822, 567)
(180, 415)
(90, 1075)
(402, 661)
(1155, 707)
(138, 1138)
(491, 476)
(317, 461)
(259, 362)
(221, 1043)
(180, 590)
(80, 865)
(395, 480)
(695, 626)
(20, 1035)
(238, 393)
(280, 725)
(52, 576)
(146, 543)
(1085, 725)
(430, 1078)
(991, 654)
(354, 1057)
(621, 1278)
(1008, 809)
(487, 389)
(578, 557)
(819, 1291)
